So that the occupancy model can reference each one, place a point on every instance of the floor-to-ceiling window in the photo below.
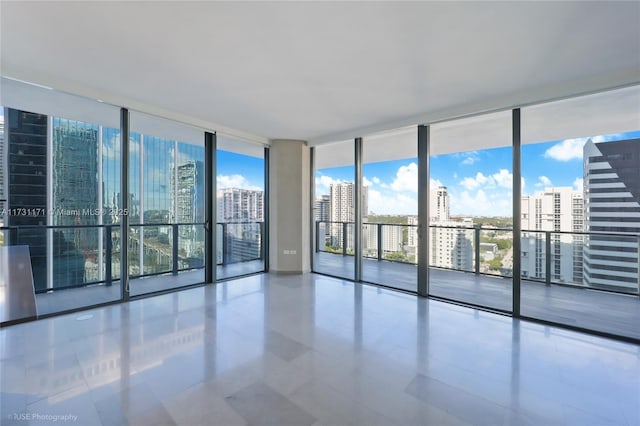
(581, 211)
(240, 200)
(334, 209)
(166, 199)
(390, 208)
(59, 164)
(470, 210)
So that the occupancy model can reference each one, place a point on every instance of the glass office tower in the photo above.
(26, 139)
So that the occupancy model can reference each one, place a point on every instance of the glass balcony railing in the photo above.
(68, 256)
(595, 260)
(65, 257)
(239, 242)
(166, 248)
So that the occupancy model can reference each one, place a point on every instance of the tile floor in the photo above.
(309, 350)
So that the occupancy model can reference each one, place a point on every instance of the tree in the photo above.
(495, 264)
(395, 256)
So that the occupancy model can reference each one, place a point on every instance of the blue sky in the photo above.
(239, 171)
(479, 182)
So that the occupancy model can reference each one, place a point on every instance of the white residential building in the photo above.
(342, 210)
(240, 205)
(451, 243)
(244, 207)
(559, 211)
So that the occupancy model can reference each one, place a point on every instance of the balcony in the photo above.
(79, 266)
(612, 309)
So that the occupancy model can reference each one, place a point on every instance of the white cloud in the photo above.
(406, 178)
(543, 182)
(502, 179)
(469, 161)
(323, 183)
(376, 180)
(471, 183)
(386, 202)
(567, 150)
(578, 184)
(607, 138)
(434, 183)
(366, 182)
(235, 181)
(468, 158)
(481, 203)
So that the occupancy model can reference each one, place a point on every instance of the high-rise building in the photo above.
(322, 213)
(439, 201)
(556, 210)
(612, 205)
(451, 240)
(412, 233)
(322, 208)
(342, 210)
(75, 193)
(187, 189)
(452, 244)
(238, 205)
(26, 147)
(392, 239)
(241, 237)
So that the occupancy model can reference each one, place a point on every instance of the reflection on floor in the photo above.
(309, 350)
(612, 313)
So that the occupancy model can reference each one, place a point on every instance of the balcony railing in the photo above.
(239, 242)
(72, 256)
(599, 260)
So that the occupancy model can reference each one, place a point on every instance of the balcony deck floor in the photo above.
(589, 309)
(612, 313)
(75, 298)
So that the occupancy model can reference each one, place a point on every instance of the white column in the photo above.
(289, 206)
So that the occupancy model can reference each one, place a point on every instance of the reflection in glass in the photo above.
(581, 210)
(166, 204)
(470, 217)
(334, 209)
(390, 208)
(56, 174)
(240, 226)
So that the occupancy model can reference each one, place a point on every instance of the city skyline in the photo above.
(479, 182)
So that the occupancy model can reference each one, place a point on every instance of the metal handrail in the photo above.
(631, 237)
(13, 231)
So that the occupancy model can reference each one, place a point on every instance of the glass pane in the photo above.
(471, 211)
(166, 241)
(581, 211)
(240, 202)
(390, 208)
(334, 209)
(55, 174)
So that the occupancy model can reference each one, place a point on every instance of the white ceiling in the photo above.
(320, 71)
